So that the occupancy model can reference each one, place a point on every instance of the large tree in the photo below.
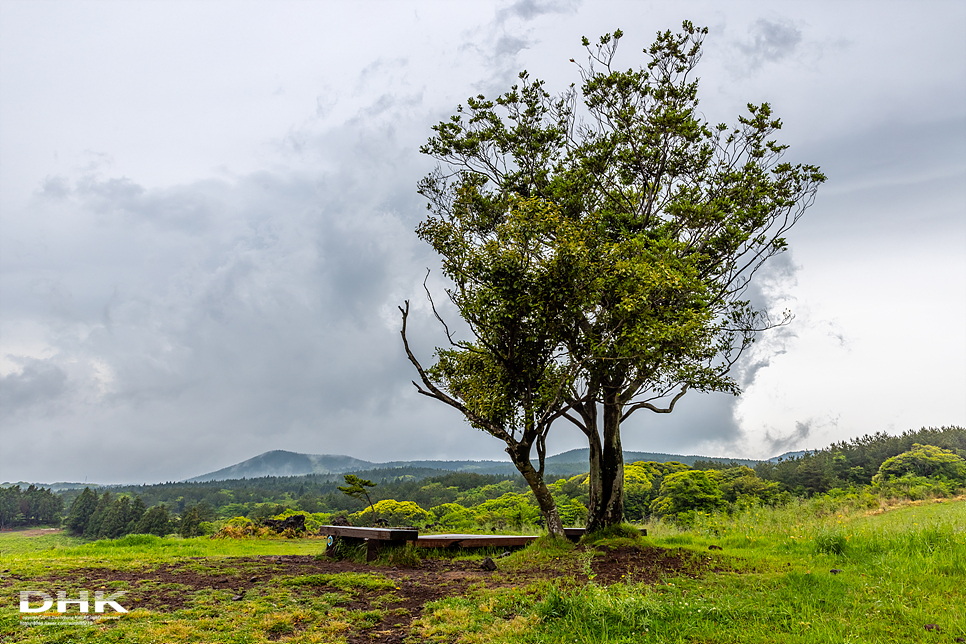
(663, 220)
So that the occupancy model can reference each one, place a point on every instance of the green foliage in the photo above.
(356, 488)
(33, 506)
(155, 521)
(395, 513)
(607, 265)
(452, 516)
(691, 491)
(924, 461)
(855, 462)
(510, 510)
(192, 523)
(639, 489)
(80, 512)
(741, 484)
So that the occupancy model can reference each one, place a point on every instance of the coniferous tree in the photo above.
(155, 521)
(80, 512)
(93, 528)
(135, 514)
(191, 523)
(9, 505)
(114, 522)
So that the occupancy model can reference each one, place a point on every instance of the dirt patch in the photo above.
(35, 532)
(649, 564)
(170, 587)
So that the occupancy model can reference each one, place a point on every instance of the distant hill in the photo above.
(283, 463)
(580, 456)
(788, 455)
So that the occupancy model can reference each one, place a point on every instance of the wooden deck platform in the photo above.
(377, 538)
(485, 540)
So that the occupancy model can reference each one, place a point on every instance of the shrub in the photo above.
(511, 509)
(394, 513)
(639, 489)
(455, 517)
(692, 490)
(924, 461)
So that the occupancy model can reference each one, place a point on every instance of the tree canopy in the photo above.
(601, 244)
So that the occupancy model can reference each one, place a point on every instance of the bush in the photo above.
(639, 489)
(511, 509)
(453, 516)
(915, 488)
(924, 461)
(689, 491)
(398, 513)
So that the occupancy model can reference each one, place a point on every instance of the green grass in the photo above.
(344, 581)
(900, 570)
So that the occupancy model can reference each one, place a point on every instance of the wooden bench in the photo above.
(373, 538)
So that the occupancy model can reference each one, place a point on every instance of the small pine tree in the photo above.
(355, 487)
(191, 523)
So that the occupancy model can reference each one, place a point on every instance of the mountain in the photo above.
(282, 463)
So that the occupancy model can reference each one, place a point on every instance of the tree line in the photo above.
(33, 506)
(854, 462)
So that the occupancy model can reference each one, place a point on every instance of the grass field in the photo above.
(809, 572)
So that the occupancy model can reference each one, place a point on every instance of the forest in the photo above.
(914, 464)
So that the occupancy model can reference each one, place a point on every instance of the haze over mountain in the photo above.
(283, 463)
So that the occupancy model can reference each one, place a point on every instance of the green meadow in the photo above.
(809, 571)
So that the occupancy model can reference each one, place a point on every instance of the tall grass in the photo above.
(819, 570)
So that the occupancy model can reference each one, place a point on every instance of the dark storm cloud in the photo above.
(40, 384)
(261, 308)
(780, 444)
(698, 419)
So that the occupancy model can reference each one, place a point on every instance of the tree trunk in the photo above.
(608, 508)
(594, 480)
(521, 458)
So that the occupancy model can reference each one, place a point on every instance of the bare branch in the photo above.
(656, 410)
(435, 392)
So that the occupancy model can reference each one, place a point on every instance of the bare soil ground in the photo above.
(35, 532)
(170, 587)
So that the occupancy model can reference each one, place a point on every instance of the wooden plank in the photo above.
(574, 534)
(472, 540)
(385, 534)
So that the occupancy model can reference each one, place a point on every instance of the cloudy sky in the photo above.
(207, 214)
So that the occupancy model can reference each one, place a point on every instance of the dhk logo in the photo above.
(82, 601)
